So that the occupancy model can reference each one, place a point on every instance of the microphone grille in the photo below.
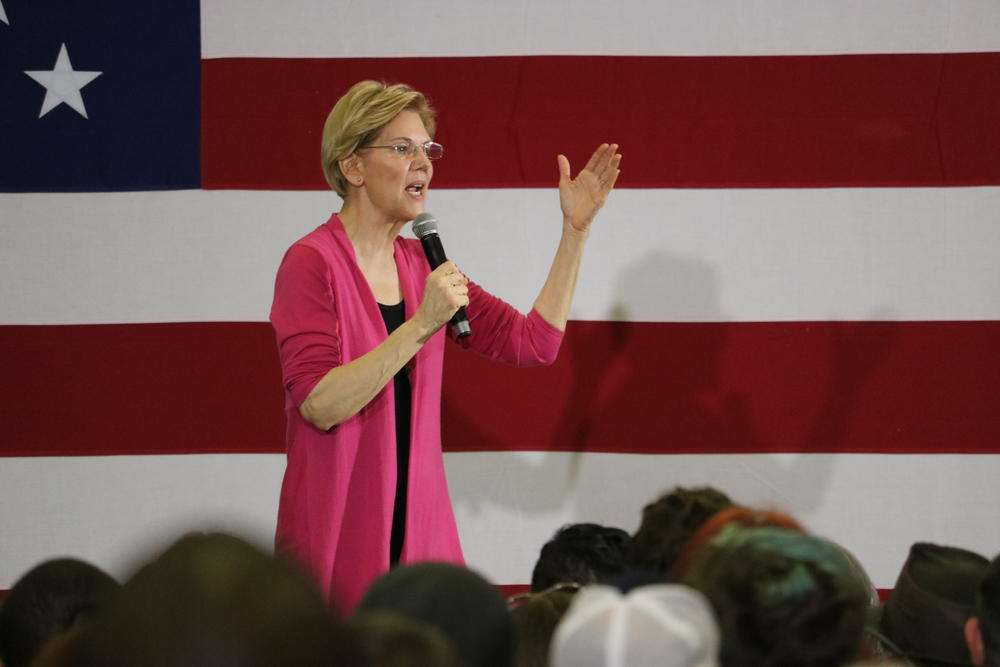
(424, 224)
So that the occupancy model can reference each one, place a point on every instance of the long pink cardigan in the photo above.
(335, 510)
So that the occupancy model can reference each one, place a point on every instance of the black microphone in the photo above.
(425, 227)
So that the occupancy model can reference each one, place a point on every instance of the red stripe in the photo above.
(894, 387)
(508, 590)
(140, 388)
(899, 387)
(769, 121)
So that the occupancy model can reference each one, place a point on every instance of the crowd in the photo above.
(703, 581)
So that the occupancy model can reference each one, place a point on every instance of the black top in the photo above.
(394, 316)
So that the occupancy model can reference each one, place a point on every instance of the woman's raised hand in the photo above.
(445, 291)
(581, 198)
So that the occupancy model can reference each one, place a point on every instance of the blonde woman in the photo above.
(359, 320)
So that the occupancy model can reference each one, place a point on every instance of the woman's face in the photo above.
(397, 184)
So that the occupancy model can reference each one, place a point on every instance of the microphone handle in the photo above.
(435, 258)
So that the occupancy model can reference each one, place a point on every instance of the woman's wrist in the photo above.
(418, 329)
(572, 232)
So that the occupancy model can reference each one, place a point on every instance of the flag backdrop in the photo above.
(793, 294)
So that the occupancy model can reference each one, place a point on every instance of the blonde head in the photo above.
(358, 117)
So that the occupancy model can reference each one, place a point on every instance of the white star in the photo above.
(3, 14)
(62, 84)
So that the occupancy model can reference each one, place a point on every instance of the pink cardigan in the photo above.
(335, 510)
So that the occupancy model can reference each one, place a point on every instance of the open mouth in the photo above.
(416, 189)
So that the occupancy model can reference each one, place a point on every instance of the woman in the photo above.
(359, 319)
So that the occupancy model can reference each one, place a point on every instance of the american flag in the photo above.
(793, 294)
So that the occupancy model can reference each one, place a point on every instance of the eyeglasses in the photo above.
(432, 149)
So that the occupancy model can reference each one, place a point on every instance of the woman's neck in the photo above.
(371, 235)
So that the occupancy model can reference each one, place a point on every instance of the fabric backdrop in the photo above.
(793, 294)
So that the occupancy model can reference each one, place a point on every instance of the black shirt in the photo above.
(394, 316)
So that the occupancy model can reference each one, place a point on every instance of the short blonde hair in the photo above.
(358, 117)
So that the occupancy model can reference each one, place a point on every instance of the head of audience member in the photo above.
(63, 650)
(663, 624)
(387, 639)
(711, 527)
(213, 599)
(667, 524)
(782, 597)
(982, 631)
(536, 616)
(461, 604)
(48, 600)
(581, 553)
(935, 594)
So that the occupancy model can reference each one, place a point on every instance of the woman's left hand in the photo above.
(581, 198)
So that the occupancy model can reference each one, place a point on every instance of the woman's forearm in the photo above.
(344, 390)
(556, 297)
(580, 199)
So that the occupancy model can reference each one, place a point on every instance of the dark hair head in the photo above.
(782, 597)
(535, 619)
(47, 601)
(214, 600)
(387, 639)
(466, 608)
(988, 612)
(582, 553)
(667, 524)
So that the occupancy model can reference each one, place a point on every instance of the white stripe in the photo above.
(654, 255)
(382, 28)
(114, 511)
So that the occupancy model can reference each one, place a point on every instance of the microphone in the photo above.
(425, 228)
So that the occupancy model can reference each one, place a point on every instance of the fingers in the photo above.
(599, 156)
(609, 174)
(448, 274)
(452, 283)
(563, 167)
(446, 290)
(607, 160)
(603, 163)
(610, 183)
(609, 170)
(455, 290)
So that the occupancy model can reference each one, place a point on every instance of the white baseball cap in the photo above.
(663, 625)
